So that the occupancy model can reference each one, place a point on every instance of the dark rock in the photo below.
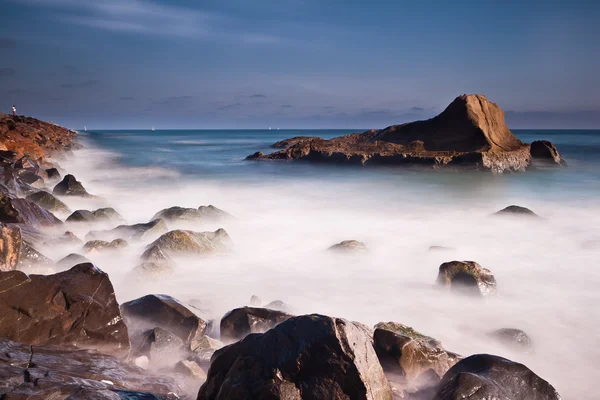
(100, 215)
(543, 151)
(101, 245)
(467, 277)
(159, 310)
(81, 216)
(23, 211)
(32, 179)
(517, 211)
(147, 231)
(30, 258)
(408, 353)
(49, 202)
(307, 357)
(65, 372)
(284, 144)
(10, 247)
(240, 322)
(70, 186)
(512, 338)
(77, 307)
(53, 174)
(162, 347)
(259, 155)
(484, 376)
(72, 260)
(349, 246)
(189, 242)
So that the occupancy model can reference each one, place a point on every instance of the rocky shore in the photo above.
(63, 334)
(470, 133)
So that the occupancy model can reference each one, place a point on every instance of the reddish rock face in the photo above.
(23, 211)
(75, 307)
(10, 247)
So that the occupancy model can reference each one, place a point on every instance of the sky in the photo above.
(116, 64)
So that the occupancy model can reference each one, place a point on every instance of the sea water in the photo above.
(287, 214)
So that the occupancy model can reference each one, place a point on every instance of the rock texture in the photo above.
(70, 186)
(517, 211)
(467, 277)
(307, 357)
(544, 152)
(188, 242)
(470, 132)
(484, 376)
(349, 246)
(240, 322)
(49, 202)
(23, 211)
(75, 307)
(10, 247)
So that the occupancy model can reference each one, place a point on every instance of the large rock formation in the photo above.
(307, 357)
(75, 307)
(470, 132)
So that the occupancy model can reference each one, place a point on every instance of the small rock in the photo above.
(240, 322)
(255, 301)
(189, 242)
(190, 369)
(517, 211)
(543, 151)
(467, 277)
(147, 231)
(101, 245)
(100, 215)
(349, 246)
(66, 239)
(513, 338)
(162, 347)
(53, 174)
(279, 305)
(440, 248)
(70, 186)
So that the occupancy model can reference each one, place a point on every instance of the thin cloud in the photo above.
(257, 96)
(7, 43)
(80, 85)
(416, 109)
(127, 98)
(287, 106)
(230, 106)
(174, 100)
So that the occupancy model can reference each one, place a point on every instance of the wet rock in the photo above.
(71, 260)
(10, 247)
(77, 307)
(49, 202)
(70, 186)
(30, 258)
(99, 215)
(101, 245)
(107, 214)
(32, 179)
(240, 322)
(349, 246)
(61, 372)
(182, 214)
(517, 211)
(162, 347)
(467, 277)
(408, 353)
(81, 216)
(189, 242)
(152, 270)
(307, 357)
(53, 174)
(484, 376)
(190, 369)
(162, 311)
(66, 239)
(147, 231)
(23, 211)
(204, 349)
(544, 152)
(515, 339)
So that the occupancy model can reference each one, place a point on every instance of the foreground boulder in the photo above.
(70, 186)
(349, 246)
(240, 322)
(23, 211)
(544, 152)
(66, 372)
(306, 357)
(188, 242)
(49, 202)
(484, 376)
(517, 211)
(10, 247)
(76, 307)
(162, 311)
(467, 277)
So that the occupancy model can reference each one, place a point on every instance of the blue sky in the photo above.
(297, 63)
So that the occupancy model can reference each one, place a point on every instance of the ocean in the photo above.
(287, 215)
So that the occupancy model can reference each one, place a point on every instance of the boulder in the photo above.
(544, 152)
(32, 179)
(76, 307)
(81, 216)
(66, 372)
(150, 270)
(189, 242)
(100, 215)
(255, 301)
(70, 186)
(52, 174)
(349, 246)
(23, 211)
(203, 350)
(146, 231)
(466, 277)
(408, 353)
(517, 211)
(279, 305)
(30, 258)
(190, 369)
(66, 239)
(162, 311)
(284, 144)
(240, 322)
(10, 247)
(163, 348)
(212, 213)
(515, 339)
(72, 260)
(101, 245)
(176, 213)
(484, 376)
(49, 202)
(306, 357)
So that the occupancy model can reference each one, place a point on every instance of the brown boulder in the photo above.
(240, 322)
(49, 202)
(543, 151)
(76, 307)
(101, 245)
(189, 242)
(23, 211)
(467, 277)
(10, 247)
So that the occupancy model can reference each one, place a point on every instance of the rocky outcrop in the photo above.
(544, 152)
(467, 277)
(182, 242)
(101, 245)
(517, 211)
(284, 144)
(70, 186)
(307, 357)
(10, 247)
(240, 322)
(182, 214)
(470, 132)
(75, 307)
(49, 202)
(107, 214)
(484, 376)
(515, 339)
(349, 246)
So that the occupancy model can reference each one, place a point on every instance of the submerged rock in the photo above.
(349, 246)
(543, 151)
(189, 242)
(467, 277)
(515, 339)
(100, 215)
(440, 249)
(101, 245)
(240, 322)
(306, 357)
(484, 376)
(72, 260)
(76, 307)
(10, 247)
(146, 231)
(70, 186)
(517, 211)
(49, 202)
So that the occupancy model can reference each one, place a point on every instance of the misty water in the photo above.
(288, 214)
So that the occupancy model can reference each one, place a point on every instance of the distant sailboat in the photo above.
(153, 129)
(269, 128)
(85, 128)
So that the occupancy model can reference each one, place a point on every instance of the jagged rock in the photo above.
(240, 322)
(150, 230)
(307, 357)
(53, 174)
(189, 242)
(77, 307)
(70, 186)
(512, 338)
(32, 179)
(517, 211)
(467, 277)
(10, 247)
(349, 246)
(66, 239)
(49, 202)
(162, 311)
(23, 211)
(162, 347)
(484, 376)
(30, 258)
(284, 144)
(207, 213)
(204, 348)
(61, 372)
(408, 353)
(101, 245)
(72, 260)
(255, 301)
(100, 215)
(545, 152)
